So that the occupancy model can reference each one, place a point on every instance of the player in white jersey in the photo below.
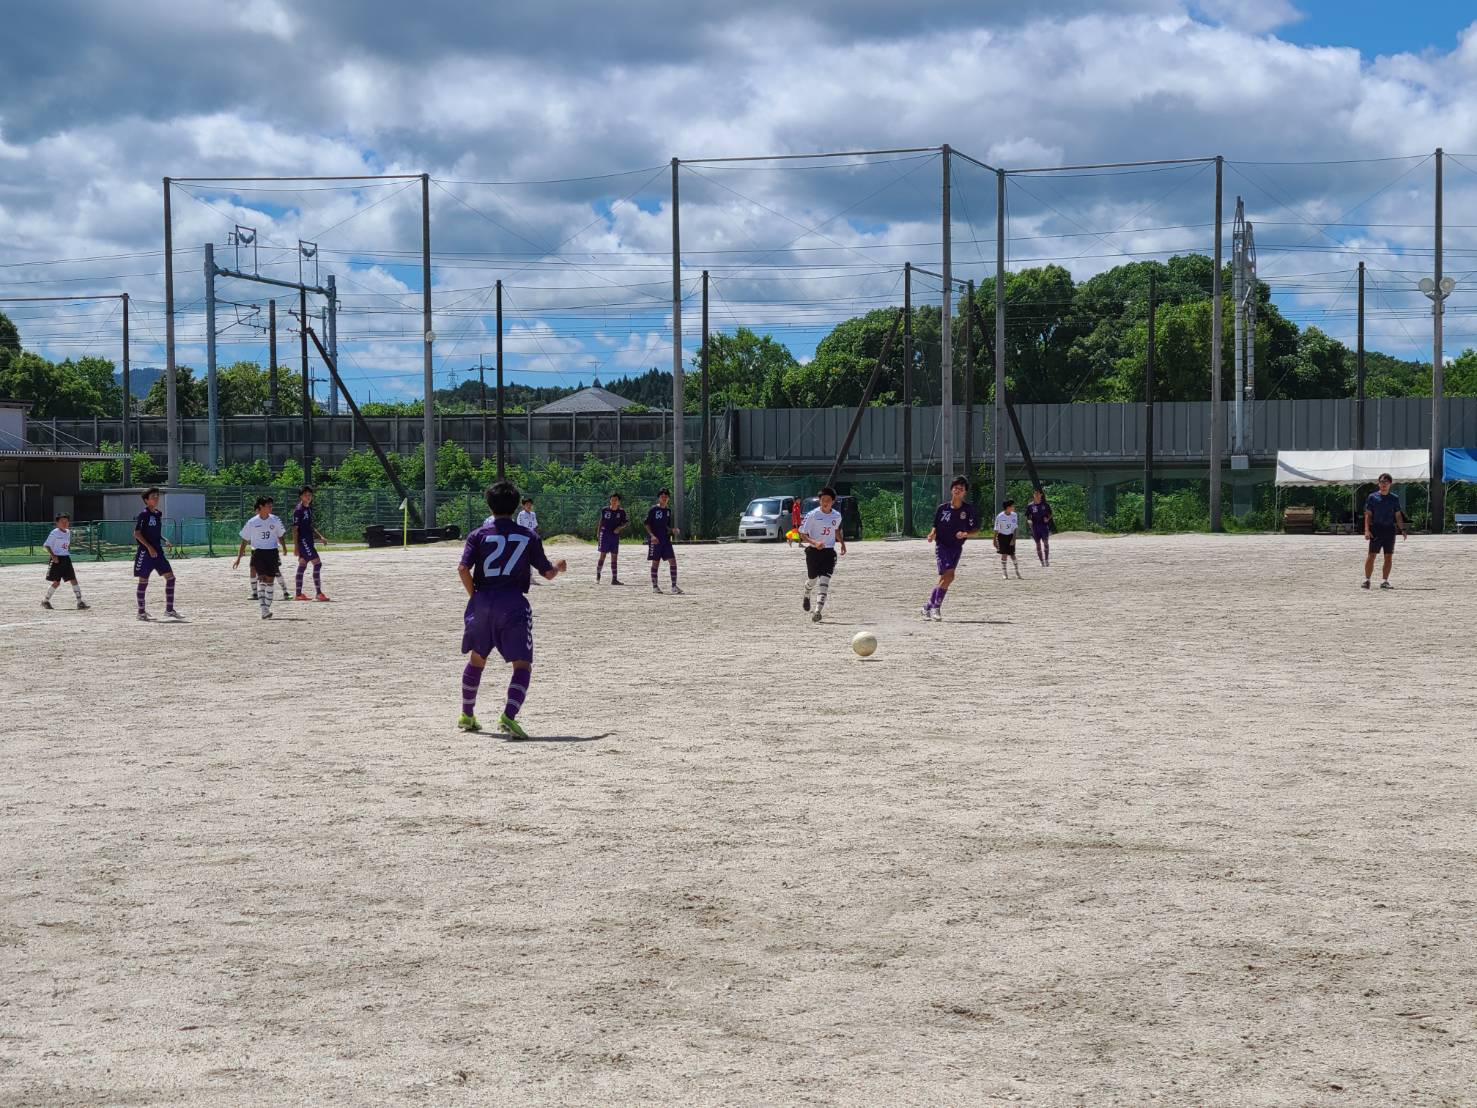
(527, 517)
(267, 538)
(820, 533)
(59, 568)
(1006, 525)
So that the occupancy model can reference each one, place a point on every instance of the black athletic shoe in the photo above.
(805, 604)
(1366, 584)
(46, 604)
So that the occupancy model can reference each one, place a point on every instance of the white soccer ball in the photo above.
(864, 643)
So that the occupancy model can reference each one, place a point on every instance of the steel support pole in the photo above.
(907, 398)
(1238, 331)
(332, 340)
(997, 419)
(705, 458)
(1359, 370)
(482, 403)
(1437, 484)
(428, 422)
(946, 324)
(1149, 417)
(502, 429)
(127, 402)
(1217, 297)
(678, 467)
(969, 383)
(272, 357)
(306, 398)
(212, 395)
(171, 402)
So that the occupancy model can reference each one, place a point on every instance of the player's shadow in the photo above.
(558, 739)
(989, 622)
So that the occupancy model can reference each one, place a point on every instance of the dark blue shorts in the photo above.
(501, 621)
(947, 557)
(143, 565)
(610, 542)
(661, 551)
(1041, 532)
(306, 551)
(1382, 539)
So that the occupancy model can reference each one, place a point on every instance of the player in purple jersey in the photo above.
(661, 527)
(148, 532)
(496, 570)
(613, 521)
(305, 537)
(953, 524)
(1038, 514)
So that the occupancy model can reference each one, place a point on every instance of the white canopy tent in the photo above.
(1351, 467)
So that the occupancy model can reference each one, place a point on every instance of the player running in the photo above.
(820, 532)
(264, 534)
(495, 570)
(661, 528)
(148, 532)
(1006, 525)
(954, 523)
(1382, 518)
(613, 521)
(58, 548)
(305, 537)
(1038, 514)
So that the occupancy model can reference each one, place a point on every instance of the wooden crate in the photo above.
(1298, 520)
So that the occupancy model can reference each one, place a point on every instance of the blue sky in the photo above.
(1375, 28)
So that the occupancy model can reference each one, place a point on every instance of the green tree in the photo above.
(189, 393)
(10, 339)
(55, 391)
(745, 370)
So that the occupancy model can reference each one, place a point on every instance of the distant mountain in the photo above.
(140, 379)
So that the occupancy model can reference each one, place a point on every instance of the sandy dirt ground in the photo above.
(1184, 820)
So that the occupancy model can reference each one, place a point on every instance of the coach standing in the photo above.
(1382, 518)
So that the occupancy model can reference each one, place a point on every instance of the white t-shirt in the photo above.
(263, 534)
(528, 519)
(1006, 523)
(59, 542)
(821, 526)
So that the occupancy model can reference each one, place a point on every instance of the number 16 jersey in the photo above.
(502, 556)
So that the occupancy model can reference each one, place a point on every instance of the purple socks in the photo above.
(301, 569)
(318, 578)
(673, 566)
(143, 587)
(936, 598)
(517, 692)
(471, 681)
(169, 594)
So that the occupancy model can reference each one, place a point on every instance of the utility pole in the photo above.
(1216, 298)
(705, 458)
(946, 439)
(307, 400)
(1359, 371)
(127, 400)
(907, 398)
(428, 422)
(1440, 289)
(997, 419)
(171, 402)
(502, 434)
(212, 432)
(331, 326)
(1149, 417)
(679, 468)
(969, 384)
(1238, 331)
(272, 357)
(482, 382)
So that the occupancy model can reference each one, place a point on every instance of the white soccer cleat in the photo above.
(938, 615)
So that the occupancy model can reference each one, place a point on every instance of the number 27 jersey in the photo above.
(502, 556)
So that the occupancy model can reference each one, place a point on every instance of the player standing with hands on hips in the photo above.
(954, 523)
(820, 532)
(264, 533)
(661, 528)
(1382, 518)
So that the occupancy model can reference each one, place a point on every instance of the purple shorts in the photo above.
(661, 551)
(143, 564)
(1040, 531)
(500, 621)
(610, 542)
(947, 557)
(306, 551)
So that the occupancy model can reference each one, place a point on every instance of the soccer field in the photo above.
(1181, 818)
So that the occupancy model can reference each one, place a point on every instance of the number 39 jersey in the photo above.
(502, 556)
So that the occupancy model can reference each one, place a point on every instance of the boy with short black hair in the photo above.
(527, 517)
(495, 570)
(58, 547)
(613, 521)
(148, 532)
(661, 528)
(954, 523)
(1383, 517)
(820, 532)
(1038, 513)
(305, 537)
(264, 534)
(1006, 525)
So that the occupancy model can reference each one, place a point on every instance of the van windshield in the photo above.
(770, 506)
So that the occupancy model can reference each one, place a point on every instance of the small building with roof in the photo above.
(37, 480)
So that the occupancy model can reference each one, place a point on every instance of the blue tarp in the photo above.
(1459, 464)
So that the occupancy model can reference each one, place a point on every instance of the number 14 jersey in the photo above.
(502, 556)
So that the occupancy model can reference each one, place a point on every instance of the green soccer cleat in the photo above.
(510, 727)
(468, 723)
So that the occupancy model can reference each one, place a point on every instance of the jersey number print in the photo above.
(512, 545)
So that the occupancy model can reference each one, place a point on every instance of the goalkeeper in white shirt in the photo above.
(820, 534)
